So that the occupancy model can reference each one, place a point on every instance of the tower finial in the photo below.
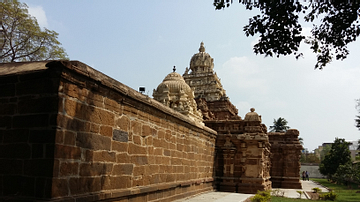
(202, 48)
(174, 69)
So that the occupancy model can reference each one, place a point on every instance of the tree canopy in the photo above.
(281, 32)
(339, 154)
(22, 38)
(280, 125)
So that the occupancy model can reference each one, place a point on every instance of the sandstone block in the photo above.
(136, 149)
(136, 127)
(112, 105)
(122, 158)
(119, 146)
(123, 123)
(106, 131)
(123, 169)
(137, 140)
(146, 130)
(93, 141)
(69, 138)
(120, 182)
(67, 152)
(84, 185)
(69, 168)
(59, 187)
(95, 169)
(139, 160)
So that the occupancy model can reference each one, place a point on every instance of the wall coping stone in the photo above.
(83, 69)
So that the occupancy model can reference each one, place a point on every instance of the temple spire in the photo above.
(202, 48)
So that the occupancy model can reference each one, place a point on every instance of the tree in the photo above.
(325, 150)
(281, 33)
(301, 140)
(280, 125)
(339, 154)
(22, 38)
(312, 158)
(346, 174)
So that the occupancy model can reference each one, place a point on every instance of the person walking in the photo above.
(307, 175)
(303, 175)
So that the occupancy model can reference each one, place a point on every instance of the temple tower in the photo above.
(202, 77)
(176, 94)
(208, 91)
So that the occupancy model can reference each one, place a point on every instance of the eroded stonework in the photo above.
(242, 154)
(285, 152)
(176, 94)
(247, 159)
(202, 77)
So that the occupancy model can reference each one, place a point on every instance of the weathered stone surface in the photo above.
(286, 152)
(120, 136)
(93, 141)
(100, 139)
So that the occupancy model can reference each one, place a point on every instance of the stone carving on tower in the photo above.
(247, 157)
(202, 77)
(176, 94)
(209, 93)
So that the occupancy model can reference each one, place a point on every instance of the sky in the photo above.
(139, 42)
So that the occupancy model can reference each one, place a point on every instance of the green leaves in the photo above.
(280, 31)
(280, 125)
(23, 40)
(339, 154)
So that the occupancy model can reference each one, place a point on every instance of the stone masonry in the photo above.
(285, 162)
(70, 133)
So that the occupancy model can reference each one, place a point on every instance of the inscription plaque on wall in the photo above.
(120, 136)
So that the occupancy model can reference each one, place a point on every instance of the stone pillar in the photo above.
(255, 158)
(228, 150)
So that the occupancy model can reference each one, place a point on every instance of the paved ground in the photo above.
(236, 197)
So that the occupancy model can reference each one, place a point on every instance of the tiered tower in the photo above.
(176, 94)
(209, 93)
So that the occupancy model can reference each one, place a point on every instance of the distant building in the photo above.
(352, 147)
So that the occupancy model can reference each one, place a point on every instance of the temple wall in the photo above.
(285, 159)
(70, 133)
(242, 162)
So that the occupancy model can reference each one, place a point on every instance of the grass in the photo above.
(283, 199)
(345, 194)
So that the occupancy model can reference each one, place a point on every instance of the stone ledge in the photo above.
(141, 190)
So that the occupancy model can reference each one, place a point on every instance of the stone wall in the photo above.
(28, 110)
(285, 159)
(70, 133)
(313, 170)
(242, 160)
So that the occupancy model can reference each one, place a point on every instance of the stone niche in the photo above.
(285, 159)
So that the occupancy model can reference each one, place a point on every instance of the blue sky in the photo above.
(139, 42)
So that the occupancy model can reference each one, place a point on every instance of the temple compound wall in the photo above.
(70, 133)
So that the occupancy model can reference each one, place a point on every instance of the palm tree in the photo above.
(280, 125)
(301, 140)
